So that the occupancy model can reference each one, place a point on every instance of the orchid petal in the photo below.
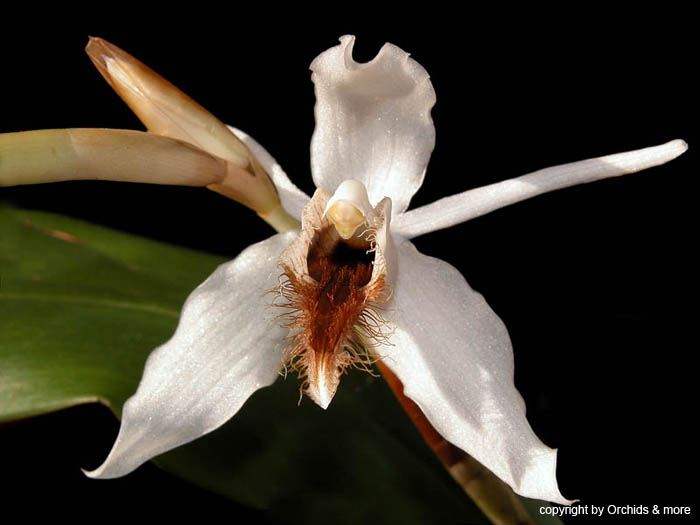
(292, 198)
(372, 122)
(480, 201)
(228, 345)
(453, 355)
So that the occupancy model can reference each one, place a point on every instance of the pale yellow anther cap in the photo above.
(349, 208)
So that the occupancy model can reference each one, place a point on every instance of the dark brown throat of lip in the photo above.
(337, 301)
(337, 297)
(327, 310)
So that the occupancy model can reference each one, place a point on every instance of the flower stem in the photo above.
(53, 155)
(280, 220)
(495, 499)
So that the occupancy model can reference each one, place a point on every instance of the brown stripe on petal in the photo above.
(334, 296)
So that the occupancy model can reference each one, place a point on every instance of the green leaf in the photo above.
(82, 306)
(80, 309)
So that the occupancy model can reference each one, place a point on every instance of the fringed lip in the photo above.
(334, 291)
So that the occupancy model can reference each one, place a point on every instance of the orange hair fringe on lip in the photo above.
(335, 317)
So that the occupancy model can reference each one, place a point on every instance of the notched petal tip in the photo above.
(373, 122)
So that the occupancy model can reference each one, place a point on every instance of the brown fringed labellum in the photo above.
(335, 291)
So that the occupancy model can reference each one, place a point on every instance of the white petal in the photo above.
(228, 345)
(454, 357)
(292, 198)
(372, 122)
(473, 203)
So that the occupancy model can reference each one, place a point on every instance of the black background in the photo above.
(596, 283)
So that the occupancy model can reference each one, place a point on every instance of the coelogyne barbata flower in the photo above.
(353, 287)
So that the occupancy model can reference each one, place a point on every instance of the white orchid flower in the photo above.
(353, 287)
